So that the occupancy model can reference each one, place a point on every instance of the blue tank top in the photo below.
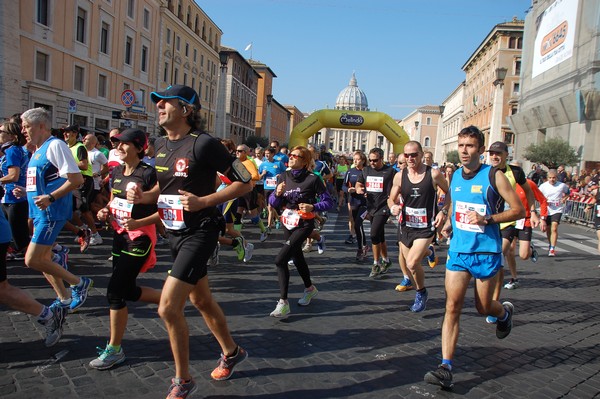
(475, 193)
(43, 178)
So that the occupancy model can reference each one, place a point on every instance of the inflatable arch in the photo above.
(344, 119)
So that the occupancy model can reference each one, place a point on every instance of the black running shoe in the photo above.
(442, 377)
(503, 327)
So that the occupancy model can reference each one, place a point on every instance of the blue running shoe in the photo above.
(405, 285)
(79, 293)
(420, 302)
(432, 260)
(491, 319)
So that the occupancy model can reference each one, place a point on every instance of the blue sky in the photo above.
(405, 53)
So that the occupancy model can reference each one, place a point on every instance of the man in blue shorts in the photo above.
(478, 193)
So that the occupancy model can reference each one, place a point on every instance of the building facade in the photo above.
(561, 78)
(452, 123)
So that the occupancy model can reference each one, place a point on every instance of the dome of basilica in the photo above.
(352, 98)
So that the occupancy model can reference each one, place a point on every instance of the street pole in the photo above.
(498, 109)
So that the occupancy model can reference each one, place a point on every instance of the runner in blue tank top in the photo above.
(478, 194)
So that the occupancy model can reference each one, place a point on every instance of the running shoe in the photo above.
(282, 310)
(58, 303)
(249, 250)
(420, 302)
(214, 258)
(95, 239)
(108, 358)
(277, 225)
(80, 293)
(226, 364)
(321, 245)
(442, 377)
(375, 270)
(308, 296)
(83, 238)
(385, 266)
(61, 258)
(291, 262)
(54, 325)
(12, 255)
(432, 260)
(307, 246)
(405, 285)
(360, 256)
(534, 253)
(180, 389)
(350, 239)
(512, 284)
(491, 319)
(240, 248)
(263, 236)
(503, 328)
(551, 252)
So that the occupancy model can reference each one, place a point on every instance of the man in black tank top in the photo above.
(186, 159)
(417, 185)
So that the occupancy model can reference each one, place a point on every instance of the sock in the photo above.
(406, 277)
(447, 363)
(422, 290)
(115, 348)
(551, 247)
(385, 260)
(505, 316)
(57, 247)
(46, 314)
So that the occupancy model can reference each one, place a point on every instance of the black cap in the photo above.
(498, 146)
(183, 93)
(135, 136)
(71, 128)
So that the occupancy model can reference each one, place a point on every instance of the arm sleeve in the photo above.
(326, 202)
(539, 197)
(60, 156)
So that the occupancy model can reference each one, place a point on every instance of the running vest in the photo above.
(478, 194)
(144, 176)
(378, 184)
(88, 171)
(43, 178)
(419, 198)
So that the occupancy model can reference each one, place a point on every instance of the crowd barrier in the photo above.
(578, 212)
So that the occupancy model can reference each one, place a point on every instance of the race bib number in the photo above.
(170, 211)
(120, 210)
(554, 203)
(461, 221)
(520, 224)
(416, 217)
(31, 179)
(598, 211)
(270, 183)
(290, 219)
(374, 184)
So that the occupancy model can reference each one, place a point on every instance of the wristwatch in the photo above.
(51, 198)
(488, 219)
(444, 211)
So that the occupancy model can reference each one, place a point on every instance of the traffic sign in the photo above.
(72, 105)
(127, 98)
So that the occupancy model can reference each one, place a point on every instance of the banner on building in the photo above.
(555, 38)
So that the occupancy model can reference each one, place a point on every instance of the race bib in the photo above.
(520, 224)
(31, 179)
(554, 203)
(270, 183)
(120, 210)
(290, 219)
(598, 211)
(416, 217)
(460, 212)
(374, 184)
(170, 211)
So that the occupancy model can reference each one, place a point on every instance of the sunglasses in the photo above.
(240, 151)
(374, 160)
(411, 155)
(296, 156)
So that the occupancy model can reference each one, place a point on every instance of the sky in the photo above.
(404, 53)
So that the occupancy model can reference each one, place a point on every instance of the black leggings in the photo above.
(126, 267)
(3, 250)
(378, 229)
(17, 215)
(361, 238)
(292, 249)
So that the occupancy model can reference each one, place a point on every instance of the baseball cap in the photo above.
(135, 136)
(498, 146)
(183, 93)
(71, 128)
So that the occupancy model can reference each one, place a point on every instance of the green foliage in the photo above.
(253, 141)
(453, 157)
(552, 153)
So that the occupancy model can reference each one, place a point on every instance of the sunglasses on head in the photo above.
(411, 155)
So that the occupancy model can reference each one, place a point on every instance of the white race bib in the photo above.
(520, 224)
(170, 211)
(120, 210)
(270, 183)
(416, 217)
(374, 184)
(290, 219)
(460, 212)
(31, 179)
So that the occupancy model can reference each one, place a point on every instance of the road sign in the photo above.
(116, 114)
(127, 123)
(72, 105)
(137, 108)
(127, 98)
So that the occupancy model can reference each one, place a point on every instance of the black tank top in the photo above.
(145, 176)
(419, 201)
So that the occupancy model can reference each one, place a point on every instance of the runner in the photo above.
(556, 193)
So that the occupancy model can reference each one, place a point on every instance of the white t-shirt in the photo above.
(61, 156)
(554, 195)
(97, 159)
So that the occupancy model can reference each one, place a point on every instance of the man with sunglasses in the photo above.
(417, 184)
(376, 182)
(478, 195)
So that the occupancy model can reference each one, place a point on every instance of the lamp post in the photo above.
(498, 107)
(268, 124)
(417, 132)
(222, 98)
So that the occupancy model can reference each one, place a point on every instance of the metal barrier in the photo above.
(578, 212)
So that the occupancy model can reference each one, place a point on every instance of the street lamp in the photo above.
(498, 107)
(222, 97)
(268, 124)
(500, 76)
(418, 132)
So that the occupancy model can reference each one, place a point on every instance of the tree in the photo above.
(453, 157)
(253, 141)
(552, 153)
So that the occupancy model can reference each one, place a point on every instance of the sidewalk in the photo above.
(357, 339)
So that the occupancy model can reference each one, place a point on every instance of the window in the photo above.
(166, 72)
(142, 99)
(516, 88)
(130, 8)
(177, 42)
(144, 65)
(41, 66)
(428, 120)
(102, 86)
(42, 12)
(80, 34)
(427, 142)
(175, 77)
(518, 67)
(195, 55)
(185, 79)
(187, 50)
(168, 36)
(104, 38)
(146, 19)
(78, 82)
(126, 86)
(128, 49)
(201, 60)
